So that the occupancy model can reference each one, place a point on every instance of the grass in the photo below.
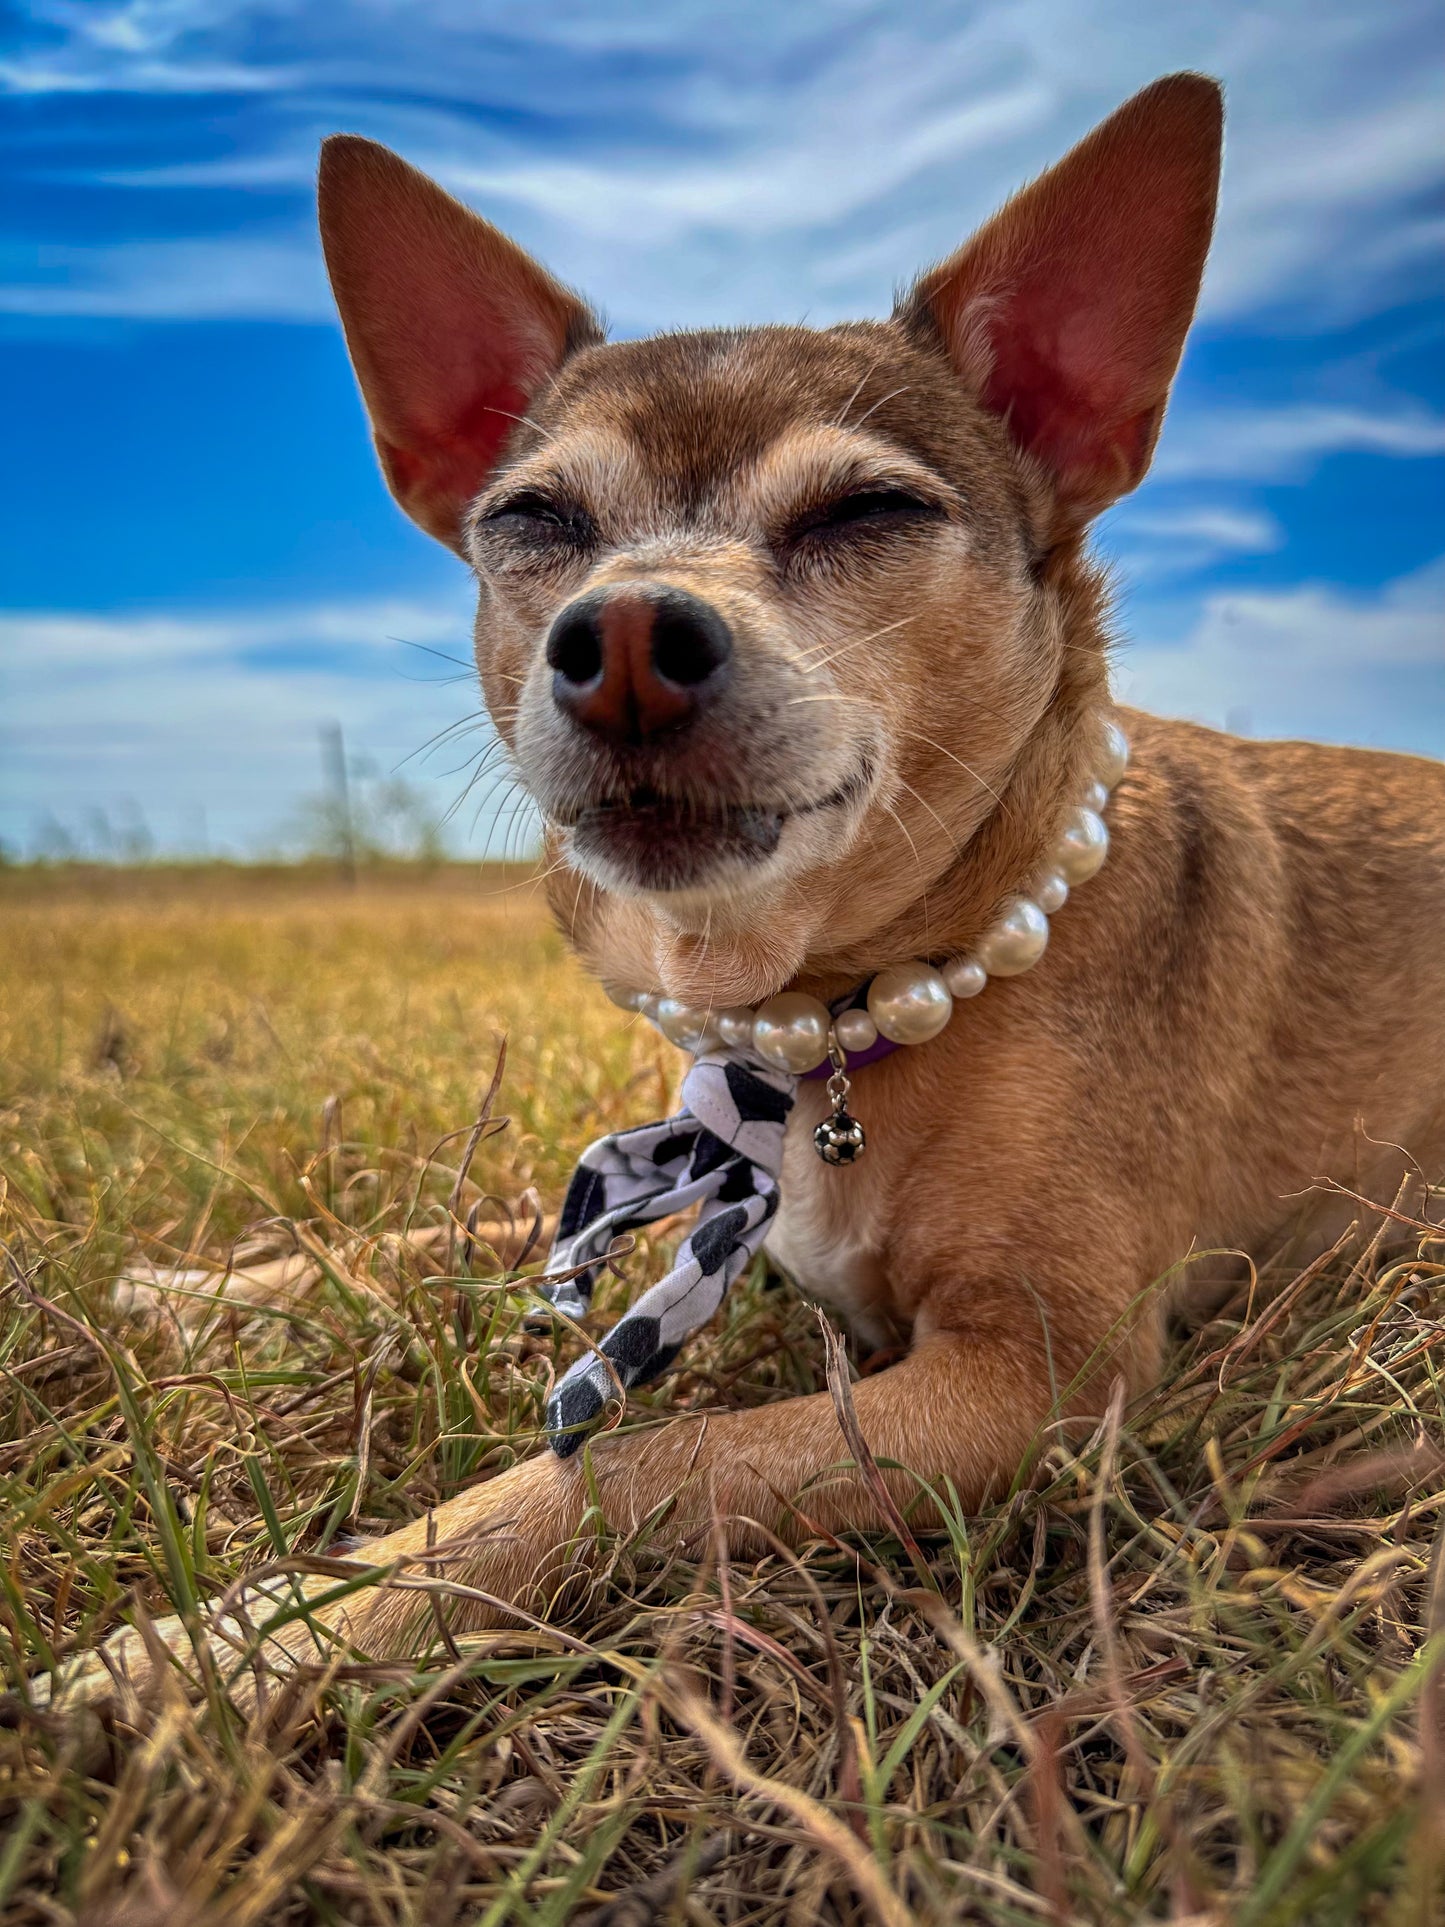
(1189, 1669)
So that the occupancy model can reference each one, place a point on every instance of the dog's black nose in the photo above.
(635, 661)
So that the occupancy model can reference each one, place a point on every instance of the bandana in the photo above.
(723, 1151)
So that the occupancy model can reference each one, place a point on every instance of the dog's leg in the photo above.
(962, 1408)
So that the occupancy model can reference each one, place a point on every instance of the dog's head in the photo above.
(767, 615)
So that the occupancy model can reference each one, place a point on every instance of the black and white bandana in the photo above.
(722, 1150)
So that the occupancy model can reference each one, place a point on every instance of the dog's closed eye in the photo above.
(537, 519)
(861, 512)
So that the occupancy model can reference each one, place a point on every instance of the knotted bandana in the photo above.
(723, 1150)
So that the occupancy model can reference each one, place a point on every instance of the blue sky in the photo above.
(202, 565)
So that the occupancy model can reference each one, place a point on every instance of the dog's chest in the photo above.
(828, 1234)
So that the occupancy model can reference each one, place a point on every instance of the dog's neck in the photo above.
(796, 938)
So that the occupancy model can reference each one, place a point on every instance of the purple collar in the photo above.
(857, 1061)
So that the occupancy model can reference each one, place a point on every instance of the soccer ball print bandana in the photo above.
(722, 1150)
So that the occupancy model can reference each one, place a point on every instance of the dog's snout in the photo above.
(633, 662)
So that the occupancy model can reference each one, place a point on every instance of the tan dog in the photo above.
(794, 637)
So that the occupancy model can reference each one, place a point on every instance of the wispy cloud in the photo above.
(1301, 228)
(139, 77)
(1278, 444)
(370, 636)
(768, 161)
(1149, 543)
(1311, 661)
(245, 278)
(1230, 530)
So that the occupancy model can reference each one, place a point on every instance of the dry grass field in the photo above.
(1189, 1670)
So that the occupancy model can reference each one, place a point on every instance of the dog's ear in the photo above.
(451, 327)
(1066, 314)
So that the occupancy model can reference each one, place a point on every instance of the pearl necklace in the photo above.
(907, 1003)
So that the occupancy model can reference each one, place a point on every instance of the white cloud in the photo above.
(1245, 531)
(140, 46)
(1313, 661)
(1302, 212)
(1279, 444)
(59, 644)
(830, 168)
(221, 712)
(140, 77)
(186, 280)
(1154, 542)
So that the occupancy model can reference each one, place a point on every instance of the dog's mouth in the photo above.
(652, 841)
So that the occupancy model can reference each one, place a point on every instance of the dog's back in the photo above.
(1297, 896)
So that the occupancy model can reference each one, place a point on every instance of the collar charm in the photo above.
(839, 1139)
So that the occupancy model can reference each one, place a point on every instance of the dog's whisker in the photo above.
(514, 809)
(892, 395)
(477, 720)
(706, 936)
(478, 764)
(815, 648)
(427, 649)
(811, 667)
(511, 785)
(537, 878)
(863, 379)
(953, 844)
(830, 696)
(547, 434)
(967, 768)
(475, 767)
(862, 702)
(918, 861)
(576, 906)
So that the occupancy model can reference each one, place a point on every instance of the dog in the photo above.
(796, 640)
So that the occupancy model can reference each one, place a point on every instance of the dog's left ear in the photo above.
(1066, 314)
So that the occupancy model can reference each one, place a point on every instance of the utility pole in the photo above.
(333, 763)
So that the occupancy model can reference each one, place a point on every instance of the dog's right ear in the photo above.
(451, 327)
(1066, 313)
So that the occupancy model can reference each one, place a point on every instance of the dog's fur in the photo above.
(1249, 995)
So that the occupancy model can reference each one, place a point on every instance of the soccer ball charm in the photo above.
(839, 1139)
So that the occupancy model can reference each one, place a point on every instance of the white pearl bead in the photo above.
(1016, 941)
(680, 1023)
(1113, 753)
(624, 996)
(735, 1026)
(791, 1031)
(1051, 892)
(1082, 846)
(1095, 798)
(909, 1003)
(855, 1030)
(965, 976)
